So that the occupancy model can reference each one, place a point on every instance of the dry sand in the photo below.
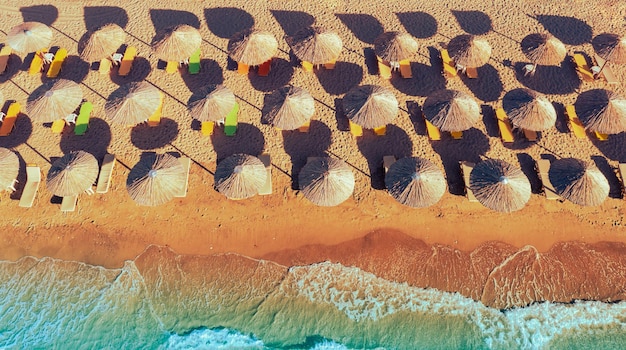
(109, 228)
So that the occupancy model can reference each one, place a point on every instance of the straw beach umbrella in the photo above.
(9, 168)
(603, 111)
(415, 182)
(370, 106)
(395, 46)
(469, 50)
(133, 103)
(54, 100)
(103, 42)
(72, 174)
(578, 181)
(316, 45)
(252, 47)
(240, 176)
(212, 103)
(326, 181)
(288, 108)
(177, 43)
(544, 49)
(499, 185)
(527, 109)
(156, 179)
(611, 47)
(451, 110)
(29, 37)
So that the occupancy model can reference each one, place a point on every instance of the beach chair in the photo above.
(388, 162)
(58, 126)
(466, 169)
(622, 173)
(267, 187)
(57, 63)
(575, 124)
(8, 122)
(330, 65)
(5, 54)
(155, 119)
(355, 129)
(186, 163)
(68, 204)
(607, 72)
(307, 66)
(82, 120)
(127, 61)
(264, 68)
(242, 68)
(504, 124)
(194, 62)
(457, 135)
(471, 72)
(583, 67)
(530, 135)
(104, 178)
(543, 165)
(33, 179)
(305, 127)
(207, 128)
(105, 66)
(384, 69)
(433, 132)
(405, 69)
(449, 68)
(230, 122)
(171, 67)
(36, 64)
(381, 130)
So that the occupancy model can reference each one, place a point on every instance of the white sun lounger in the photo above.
(69, 204)
(543, 165)
(186, 163)
(33, 178)
(387, 162)
(466, 169)
(104, 179)
(267, 188)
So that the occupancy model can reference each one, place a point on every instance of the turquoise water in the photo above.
(166, 301)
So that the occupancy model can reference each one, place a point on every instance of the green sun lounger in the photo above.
(194, 62)
(82, 121)
(230, 122)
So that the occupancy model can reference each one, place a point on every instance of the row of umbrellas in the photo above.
(325, 181)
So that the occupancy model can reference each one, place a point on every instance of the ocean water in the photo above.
(166, 301)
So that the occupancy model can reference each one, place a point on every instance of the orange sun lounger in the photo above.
(264, 69)
(5, 54)
(127, 61)
(384, 69)
(36, 65)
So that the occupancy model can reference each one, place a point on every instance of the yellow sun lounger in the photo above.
(5, 54)
(583, 67)
(504, 124)
(58, 126)
(104, 178)
(127, 61)
(8, 123)
(449, 68)
(267, 187)
(171, 67)
(433, 132)
(242, 68)
(207, 128)
(105, 66)
(543, 165)
(575, 124)
(305, 127)
(466, 169)
(388, 162)
(330, 65)
(33, 179)
(381, 130)
(355, 129)
(384, 69)
(307, 66)
(57, 63)
(405, 69)
(186, 163)
(457, 135)
(155, 119)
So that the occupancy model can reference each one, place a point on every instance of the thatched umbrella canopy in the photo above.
(578, 181)
(103, 42)
(451, 110)
(469, 50)
(528, 109)
(156, 179)
(326, 181)
(133, 103)
(252, 47)
(370, 106)
(176, 43)
(602, 110)
(545, 49)
(72, 174)
(9, 168)
(29, 37)
(54, 100)
(611, 47)
(316, 45)
(240, 176)
(499, 185)
(395, 46)
(288, 108)
(415, 182)
(212, 103)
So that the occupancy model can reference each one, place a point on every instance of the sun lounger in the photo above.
(264, 69)
(207, 128)
(622, 173)
(355, 129)
(530, 135)
(466, 169)
(104, 178)
(471, 72)
(171, 67)
(155, 119)
(305, 127)
(600, 136)
(457, 135)
(433, 132)
(36, 64)
(575, 124)
(543, 165)
(381, 130)
(127, 61)
(58, 126)
(82, 121)
(242, 68)
(8, 122)
(267, 187)
(105, 66)
(606, 72)
(68, 204)
(307, 66)
(504, 124)
(33, 179)
(57, 63)
(230, 122)
(186, 163)
(583, 67)
(5, 54)
(330, 65)
(194, 62)
(387, 162)
(384, 69)
(405, 69)
(449, 68)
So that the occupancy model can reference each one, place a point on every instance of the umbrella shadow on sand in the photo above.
(147, 137)
(163, 19)
(140, 70)
(292, 21)
(395, 143)
(613, 148)
(365, 27)
(570, 30)
(248, 140)
(97, 16)
(488, 86)
(46, 14)
(210, 73)
(529, 168)
(471, 147)
(473, 22)
(95, 141)
(14, 65)
(615, 185)
(300, 145)
(75, 69)
(426, 80)
(225, 22)
(550, 79)
(279, 76)
(338, 81)
(419, 24)
(22, 130)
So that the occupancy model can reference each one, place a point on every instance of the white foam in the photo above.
(223, 338)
